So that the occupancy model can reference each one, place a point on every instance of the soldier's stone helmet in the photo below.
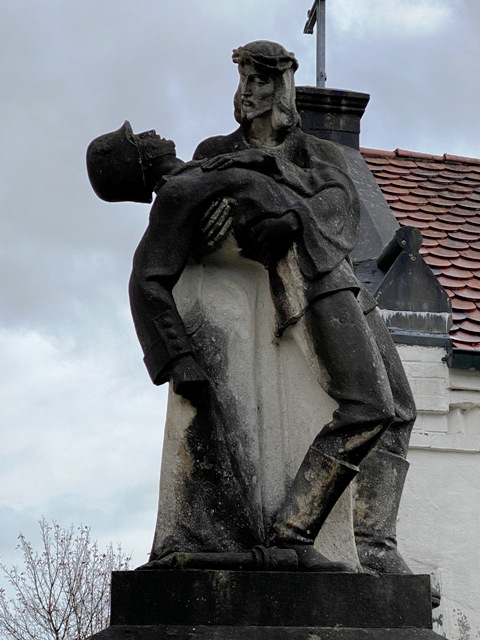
(116, 164)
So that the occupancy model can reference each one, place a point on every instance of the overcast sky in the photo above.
(81, 424)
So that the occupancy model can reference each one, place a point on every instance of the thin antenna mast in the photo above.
(316, 16)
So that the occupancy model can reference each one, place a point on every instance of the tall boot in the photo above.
(379, 488)
(318, 485)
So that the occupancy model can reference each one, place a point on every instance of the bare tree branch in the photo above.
(62, 591)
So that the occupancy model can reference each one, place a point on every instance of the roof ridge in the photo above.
(404, 153)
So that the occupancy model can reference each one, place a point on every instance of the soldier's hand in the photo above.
(271, 238)
(189, 380)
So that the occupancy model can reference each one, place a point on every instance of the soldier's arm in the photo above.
(158, 263)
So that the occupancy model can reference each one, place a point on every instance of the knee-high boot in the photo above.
(318, 485)
(379, 488)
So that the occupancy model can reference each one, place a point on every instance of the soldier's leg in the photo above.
(396, 438)
(357, 377)
(359, 383)
(382, 474)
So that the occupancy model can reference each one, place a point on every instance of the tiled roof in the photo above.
(440, 195)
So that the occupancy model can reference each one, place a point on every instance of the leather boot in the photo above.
(379, 488)
(377, 498)
(318, 485)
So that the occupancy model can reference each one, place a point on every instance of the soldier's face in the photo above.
(257, 93)
(151, 144)
(148, 140)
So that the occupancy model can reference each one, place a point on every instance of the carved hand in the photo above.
(216, 222)
(247, 158)
(189, 379)
(270, 239)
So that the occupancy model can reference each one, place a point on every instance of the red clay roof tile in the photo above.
(441, 196)
(412, 178)
(429, 242)
(474, 315)
(429, 208)
(452, 217)
(462, 338)
(466, 213)
(404, 206)
(473, 283)
(398, 171)
(421, 215)
(450, 283)
(451, 195)
(444, 226)
(409, 221)
(403, 163)
(463, 305)
(413, 200)
(433, 233)
(442, 252)
(465, 263)
(471, 327)
(460, 235)
(454, 272)
(468, 227)
(421, 192)
(441, 201)
(389, 198)
(375, 152)
(440, 179)
(403, 153)
(453, 158)
(395, 189)
(460, 188)
(471, 253)
(444, 264)
(468, 294)
(468, 204)
(453, 244)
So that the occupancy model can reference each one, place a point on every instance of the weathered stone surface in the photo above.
(282, 599)
(260, 633)
(244, 605)
(271, 215)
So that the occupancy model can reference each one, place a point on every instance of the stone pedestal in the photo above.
(244, 605)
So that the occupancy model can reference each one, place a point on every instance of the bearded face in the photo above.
(256, 93)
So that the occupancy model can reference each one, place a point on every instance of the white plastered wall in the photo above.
(439, 520)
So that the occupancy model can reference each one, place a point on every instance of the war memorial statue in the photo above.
(245, 300)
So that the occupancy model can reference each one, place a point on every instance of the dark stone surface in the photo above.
(332, 114)
(234, 605)
(307, 196)
(282, 599)
(275, 200)
(409, 282)
(416, 304)
(377, 222)
(260, 633)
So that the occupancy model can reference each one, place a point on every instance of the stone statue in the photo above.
(244, 298)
